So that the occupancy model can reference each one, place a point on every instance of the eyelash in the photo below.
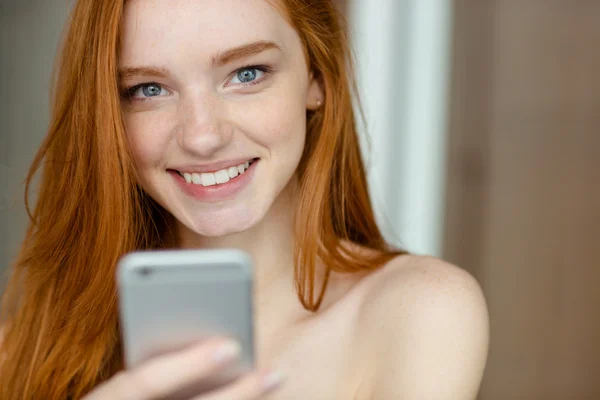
(128, 92)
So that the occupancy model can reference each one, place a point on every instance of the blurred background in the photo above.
(483, 148)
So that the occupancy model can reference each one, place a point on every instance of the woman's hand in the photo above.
(165, 375)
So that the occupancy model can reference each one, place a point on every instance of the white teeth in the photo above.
(233, 172)
(222, 176)
(208, 179)
(196, 178)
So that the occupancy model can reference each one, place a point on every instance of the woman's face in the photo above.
(216, 93)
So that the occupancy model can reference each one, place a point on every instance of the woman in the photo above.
(225, 123)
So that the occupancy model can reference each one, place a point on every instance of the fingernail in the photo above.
(273, 379)
(226, 351)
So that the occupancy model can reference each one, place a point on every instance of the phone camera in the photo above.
(145, 272)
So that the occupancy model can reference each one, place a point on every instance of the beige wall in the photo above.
(524, 189)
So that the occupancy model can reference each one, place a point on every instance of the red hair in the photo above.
(59, 309)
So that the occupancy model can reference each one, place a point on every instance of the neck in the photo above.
(270, 243)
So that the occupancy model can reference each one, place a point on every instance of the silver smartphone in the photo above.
(170, 299)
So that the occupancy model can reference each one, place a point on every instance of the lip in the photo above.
(213, 167)
(216, 193)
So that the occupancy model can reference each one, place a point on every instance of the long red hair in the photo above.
(61, 334)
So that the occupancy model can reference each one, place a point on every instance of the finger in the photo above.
(164, 375)
(250, 387)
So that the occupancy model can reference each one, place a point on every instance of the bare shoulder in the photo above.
(428, 323)
(424, 281)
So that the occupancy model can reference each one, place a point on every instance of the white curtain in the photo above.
(402, 49)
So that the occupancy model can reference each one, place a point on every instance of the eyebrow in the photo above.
(218, 60)
(133, 72)
(243, 51)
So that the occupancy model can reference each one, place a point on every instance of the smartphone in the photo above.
(170, 299)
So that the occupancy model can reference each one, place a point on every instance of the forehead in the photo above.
(206, 25)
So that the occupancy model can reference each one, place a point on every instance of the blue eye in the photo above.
(250, 75)
(246, 75)
(146, 90)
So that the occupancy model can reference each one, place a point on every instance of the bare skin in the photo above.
(337, 353)
(324, 352)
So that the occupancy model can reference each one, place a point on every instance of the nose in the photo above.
(204, 129)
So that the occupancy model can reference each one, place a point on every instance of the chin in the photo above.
(217, 230)
(222, 225)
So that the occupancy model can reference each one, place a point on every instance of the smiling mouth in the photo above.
(216, 178)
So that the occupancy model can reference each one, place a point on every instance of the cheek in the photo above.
(289, 130)
(148, 138)
(279, 124)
